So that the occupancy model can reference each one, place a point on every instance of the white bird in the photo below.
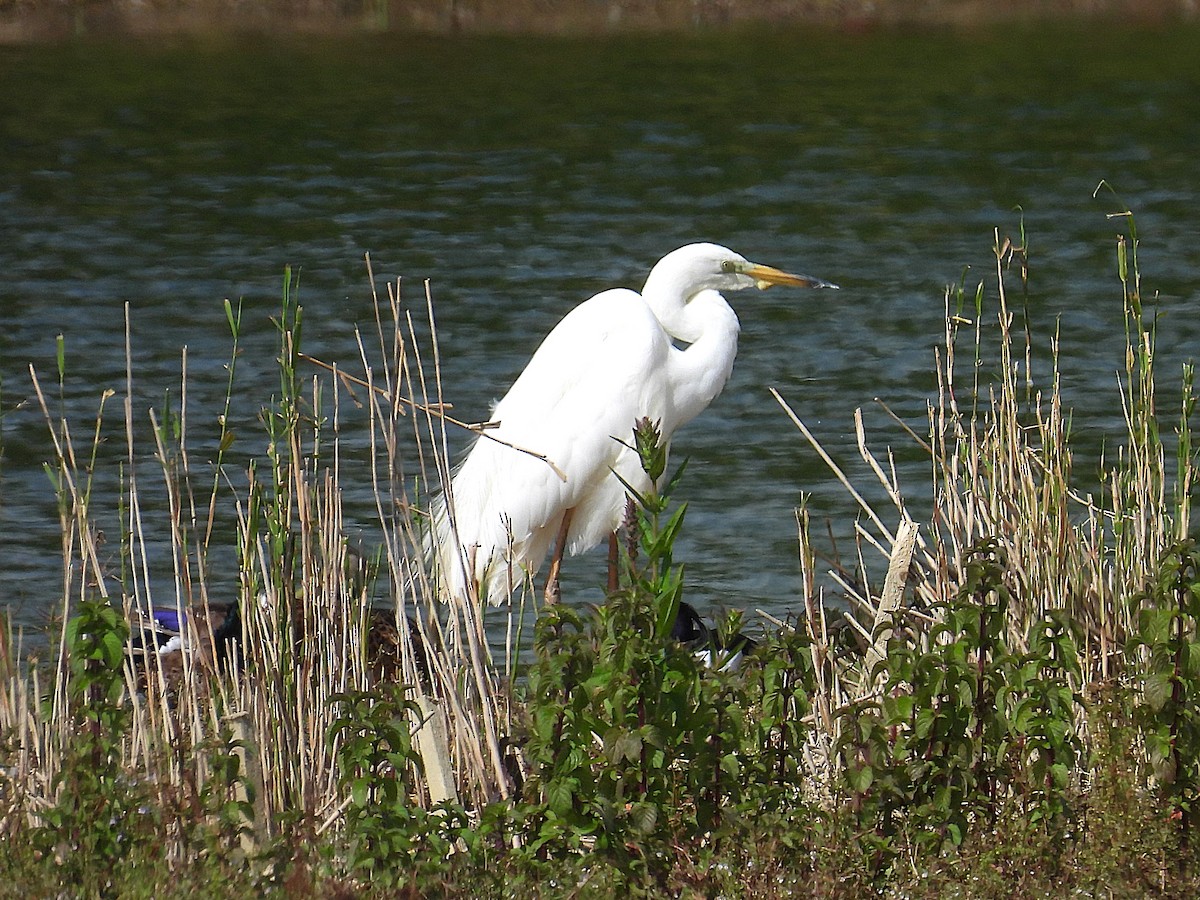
(610, 362)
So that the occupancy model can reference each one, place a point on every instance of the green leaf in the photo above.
(113, 645)
(1157, 690)
(900, 708)
(1060, 774)
(623, 746)
(1158, 744)
(861, 779)
(560, 795)
(926, 716)
(643, 817)
(954, 832)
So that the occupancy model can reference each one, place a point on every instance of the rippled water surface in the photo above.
(522, 175)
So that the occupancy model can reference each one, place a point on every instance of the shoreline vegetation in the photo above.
(1012, 711)
(33, 21)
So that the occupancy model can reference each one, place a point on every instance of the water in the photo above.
(523, 175)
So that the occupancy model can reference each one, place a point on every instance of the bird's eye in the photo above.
(729, 266)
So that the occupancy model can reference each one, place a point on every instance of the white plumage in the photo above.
(610, 362)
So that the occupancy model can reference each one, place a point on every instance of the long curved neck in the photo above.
(699, 372)
(672, 308)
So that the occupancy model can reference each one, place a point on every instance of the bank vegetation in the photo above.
(998, 698)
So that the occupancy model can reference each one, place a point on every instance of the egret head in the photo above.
(697, 267)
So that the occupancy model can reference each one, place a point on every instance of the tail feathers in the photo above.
(469, 569)
(443, 552)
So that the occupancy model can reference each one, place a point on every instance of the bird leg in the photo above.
(553, 591)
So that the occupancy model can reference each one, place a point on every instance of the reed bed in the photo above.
(1001, 468)
(306, 594)
(268, 747)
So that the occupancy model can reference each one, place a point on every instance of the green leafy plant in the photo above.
(392, 839)
(632, 741)
(965, 726)
(95, 814)
(1041, 710)
(777, 696)
(1168, 708)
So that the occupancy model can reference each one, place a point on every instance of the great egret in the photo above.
(610, 362)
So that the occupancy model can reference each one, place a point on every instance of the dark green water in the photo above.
(523, 175)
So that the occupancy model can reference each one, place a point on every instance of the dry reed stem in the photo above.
(892, 597)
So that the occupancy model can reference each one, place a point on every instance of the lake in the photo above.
(522, 175)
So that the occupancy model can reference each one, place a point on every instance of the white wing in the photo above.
(602, 368)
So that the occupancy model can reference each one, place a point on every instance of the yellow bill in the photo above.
(765, 276)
